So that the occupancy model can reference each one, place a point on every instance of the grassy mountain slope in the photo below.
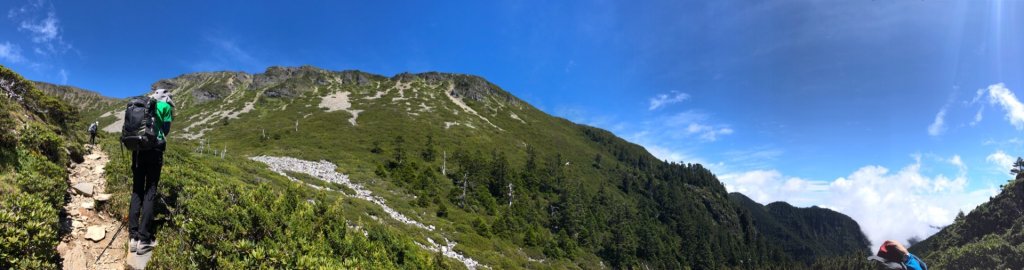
(87, 102)
(512, 185)
(37, 141)
(806, 233)
(231, 213)
(989, 237)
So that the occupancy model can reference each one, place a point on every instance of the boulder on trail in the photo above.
(95, 233)
(102, 197)
(84, 188)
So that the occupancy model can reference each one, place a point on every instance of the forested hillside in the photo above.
(989, 237)
(806, 234)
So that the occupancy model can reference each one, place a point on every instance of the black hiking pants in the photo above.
(92, 137)
(146, 167)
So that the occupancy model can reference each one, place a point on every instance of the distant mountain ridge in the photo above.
(806, 233)
(83, 99)
(506, 180)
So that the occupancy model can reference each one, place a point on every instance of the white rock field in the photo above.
(326, 171)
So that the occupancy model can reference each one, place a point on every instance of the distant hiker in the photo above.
(92, 132)
(892, 255)
(147, 122)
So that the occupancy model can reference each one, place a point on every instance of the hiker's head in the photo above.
(162, 95)
(892, 250)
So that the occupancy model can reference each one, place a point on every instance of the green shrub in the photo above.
(42, 179)
(28, 232)
(41, 138)
(481, 227)
(8, 139)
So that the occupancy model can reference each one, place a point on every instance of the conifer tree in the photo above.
(1018, 167)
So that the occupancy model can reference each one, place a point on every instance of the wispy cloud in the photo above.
(938, 126)
(762, 157)
(63, 74)
(39, 19)
(999, 94)
(45, 30)
(227, 54)
(1000, 160)
(692, 123)
(707, 133)
(675, 154)
(662, 100)
(43, 36)
(11, 53)
(926, 201)
(977, 116)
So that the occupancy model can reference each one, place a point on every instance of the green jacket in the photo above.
(164, 116)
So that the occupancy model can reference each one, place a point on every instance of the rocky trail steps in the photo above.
(91, 230)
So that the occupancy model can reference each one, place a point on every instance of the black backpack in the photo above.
(138, 133)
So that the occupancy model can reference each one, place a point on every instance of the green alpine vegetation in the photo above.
(36, 143)
(989, 237)
(497, 180)
(232, 213)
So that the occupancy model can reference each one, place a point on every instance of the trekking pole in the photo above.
(109, 243)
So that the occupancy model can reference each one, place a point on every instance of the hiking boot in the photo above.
(133, 245)
(146, 246)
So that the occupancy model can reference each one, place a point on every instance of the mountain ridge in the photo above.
(806, 233)
(570, 194)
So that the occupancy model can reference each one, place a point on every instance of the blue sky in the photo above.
(861, 106)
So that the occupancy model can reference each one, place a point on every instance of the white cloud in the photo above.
(887, 204)
(977, 96)
(766, 186)
(938, 126)
(44, 30)
(63, 76)
(662, 100)
(691, 124)
(39, 19)
(11, 53)
(999, 94)
(672, 154)
(956, 161)
(978, 116)
(707, 133)
(1001, 160)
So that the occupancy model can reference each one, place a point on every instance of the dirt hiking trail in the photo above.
(88, 245)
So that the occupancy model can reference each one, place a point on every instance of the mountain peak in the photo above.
(466, 86)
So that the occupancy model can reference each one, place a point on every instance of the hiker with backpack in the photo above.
(892, 255)
(147, 120)
(92, 132)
